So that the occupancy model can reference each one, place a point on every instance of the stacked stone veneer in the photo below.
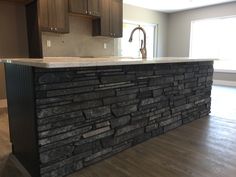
(88, 114)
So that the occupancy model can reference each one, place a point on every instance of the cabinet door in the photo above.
(94, 7)
(105, 18)
(61, 18)
(78, 6)
(111, 22)
(116, 18)
(43, 15)
(52, 15)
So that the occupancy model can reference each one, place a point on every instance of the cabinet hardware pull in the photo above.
(51, 29)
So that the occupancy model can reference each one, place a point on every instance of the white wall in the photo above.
(138, 14)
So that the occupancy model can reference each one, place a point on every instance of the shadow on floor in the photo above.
(8, 167)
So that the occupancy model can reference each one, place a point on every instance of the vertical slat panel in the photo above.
(22, 121)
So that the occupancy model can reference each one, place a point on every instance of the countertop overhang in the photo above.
(71, 62)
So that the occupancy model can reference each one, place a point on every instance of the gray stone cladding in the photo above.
(85, 115)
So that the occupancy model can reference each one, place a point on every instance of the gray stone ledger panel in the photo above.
(85, 115)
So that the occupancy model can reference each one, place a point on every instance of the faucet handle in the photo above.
(141, 44)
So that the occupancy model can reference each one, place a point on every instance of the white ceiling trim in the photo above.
(170, 6)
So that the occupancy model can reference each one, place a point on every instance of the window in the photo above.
(132, 49)
(215, 38)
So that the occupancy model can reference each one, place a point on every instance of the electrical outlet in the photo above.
(49, 43)
(105, 45)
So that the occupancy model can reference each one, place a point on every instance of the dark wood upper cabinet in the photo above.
(101, 27)
(78, 6)
(94, 7)
(85, 7)
(116, 18)
(20, 1)
(53, 16)
(62, 15)
(111, 22)
(44, 15)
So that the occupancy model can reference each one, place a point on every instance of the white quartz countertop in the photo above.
(68, 62)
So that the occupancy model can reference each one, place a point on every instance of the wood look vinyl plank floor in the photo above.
(203, 148)
(5, 146)
(199, 149)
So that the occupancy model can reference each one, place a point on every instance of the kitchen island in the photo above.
(68, 113)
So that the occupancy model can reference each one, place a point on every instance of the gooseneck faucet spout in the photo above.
(143, 48)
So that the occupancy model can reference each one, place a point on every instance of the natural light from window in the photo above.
(132, 49)
(215, 38)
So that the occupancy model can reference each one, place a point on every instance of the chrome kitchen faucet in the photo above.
(143, 48)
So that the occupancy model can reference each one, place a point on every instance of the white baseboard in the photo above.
(224, 83)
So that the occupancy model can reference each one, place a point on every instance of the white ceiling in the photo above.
(174, 5)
